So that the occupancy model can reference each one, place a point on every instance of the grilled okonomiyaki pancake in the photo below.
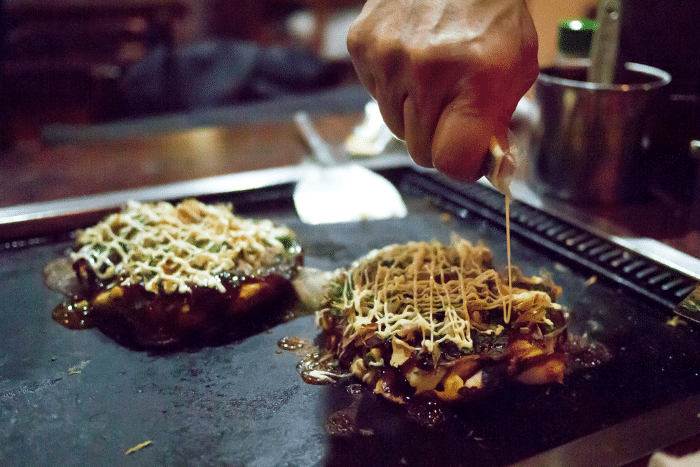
(428, 320)
(167, 273)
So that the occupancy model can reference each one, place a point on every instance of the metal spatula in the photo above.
(334, 193)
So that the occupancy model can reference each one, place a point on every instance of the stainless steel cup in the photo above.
(588, 143)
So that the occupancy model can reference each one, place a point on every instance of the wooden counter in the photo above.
(34, 173)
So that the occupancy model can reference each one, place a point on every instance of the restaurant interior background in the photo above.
(85, 62)
(88, 63)
(91, 102)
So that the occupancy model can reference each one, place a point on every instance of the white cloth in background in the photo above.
(660, 459)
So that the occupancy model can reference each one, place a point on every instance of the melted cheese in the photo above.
(169, 248)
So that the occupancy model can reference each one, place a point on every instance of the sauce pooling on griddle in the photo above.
(315, 367)
(430, 413)
(73, 315)
(319, 368)
(292, 343)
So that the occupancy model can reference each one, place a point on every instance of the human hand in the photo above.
(447, 74)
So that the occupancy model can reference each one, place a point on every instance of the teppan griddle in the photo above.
(78, 398)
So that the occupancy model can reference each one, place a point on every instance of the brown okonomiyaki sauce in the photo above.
(160, 275)
(140, 319)
(315, 366)
(294, 344)
(322, 368)
(73, 315)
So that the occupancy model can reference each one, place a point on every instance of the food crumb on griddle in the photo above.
(77, 369)
(138, 447)
(676, 321)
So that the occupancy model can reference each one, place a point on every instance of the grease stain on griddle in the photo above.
(295, 344)
(585, 353)
(428, 413)
(322, 368)
(263, 406)
(314, 367)
(345, 422)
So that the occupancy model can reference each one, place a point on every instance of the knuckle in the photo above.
(354, 42)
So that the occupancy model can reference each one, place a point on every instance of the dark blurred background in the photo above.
(95, 61)
(83, 62)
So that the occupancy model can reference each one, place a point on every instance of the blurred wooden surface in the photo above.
(33, 173)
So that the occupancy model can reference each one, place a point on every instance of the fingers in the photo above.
(391, 93)
(445, 98)
(379, 60)
(385, 86)
(455, 138)
(358, 50)
(419, 126)
(461, 142)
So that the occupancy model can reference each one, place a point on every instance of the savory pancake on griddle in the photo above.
(424, 319)
(172, 273)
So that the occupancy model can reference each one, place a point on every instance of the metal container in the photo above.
(589, 142)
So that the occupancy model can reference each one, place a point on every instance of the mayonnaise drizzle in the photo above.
(167, 247)
(443, 291)
(506, 314)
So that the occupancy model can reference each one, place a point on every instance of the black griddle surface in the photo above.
(78, 398)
